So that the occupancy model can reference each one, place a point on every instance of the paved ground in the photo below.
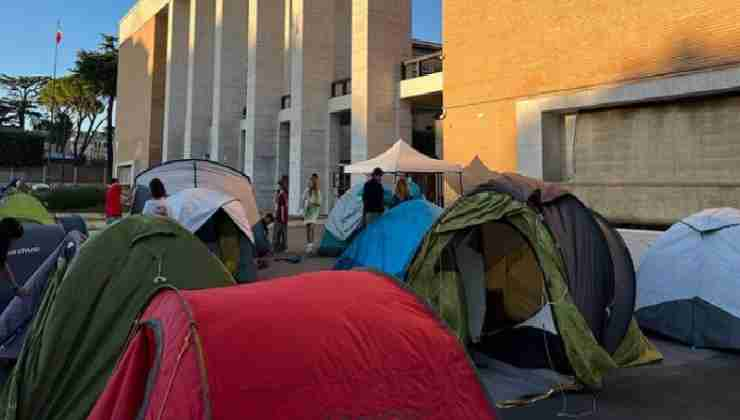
(296, 247)
(688, 385)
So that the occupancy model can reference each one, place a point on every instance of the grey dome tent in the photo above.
(179, 175)
(217, 204)
(525, 272)
(689, 281)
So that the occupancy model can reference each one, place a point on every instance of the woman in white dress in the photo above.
(311, 209)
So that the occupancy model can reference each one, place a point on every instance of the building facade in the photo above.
(273, 87)
(633, 105)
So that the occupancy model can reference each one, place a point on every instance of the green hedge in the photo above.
(21, 148)
(73, 198)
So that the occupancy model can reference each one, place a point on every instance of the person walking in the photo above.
(280, 232)
(401, 193)
(311, 209)
(113, 208)
(157, 205)
(372, 197)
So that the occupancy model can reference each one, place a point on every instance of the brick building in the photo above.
(634, 105)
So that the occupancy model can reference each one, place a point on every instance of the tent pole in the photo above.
(462, 188)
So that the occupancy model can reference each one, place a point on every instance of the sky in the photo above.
(28, 28)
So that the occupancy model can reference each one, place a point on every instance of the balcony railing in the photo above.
(422, 66)
(341, 87)
(285, 102)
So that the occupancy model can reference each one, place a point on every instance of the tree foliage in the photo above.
(99, 68)
(74, 97)
(21, 99)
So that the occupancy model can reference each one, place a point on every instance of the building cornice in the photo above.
(138, 15)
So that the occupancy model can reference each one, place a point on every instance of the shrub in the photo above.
(90, 198)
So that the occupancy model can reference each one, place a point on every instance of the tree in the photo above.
(6, 112)
(60, 131)
(99, 68)
(74, 97)
(22, 94)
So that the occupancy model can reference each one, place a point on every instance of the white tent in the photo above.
(179, 175)
(688, 282)
(193, 207)
(402, 158)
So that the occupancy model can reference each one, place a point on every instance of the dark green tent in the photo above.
(86, 317)
(524, 271)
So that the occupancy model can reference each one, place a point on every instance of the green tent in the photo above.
(524, 272)
(25, 208)
(86, 317)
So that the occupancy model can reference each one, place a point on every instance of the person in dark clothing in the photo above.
(280, 232)
(372, 197)
(10, 230)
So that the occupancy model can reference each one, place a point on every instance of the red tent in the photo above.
(331, 345)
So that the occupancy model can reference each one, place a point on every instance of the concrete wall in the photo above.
(660, 162)
(381, 41)
(313, 65)
(141, 86)
(561, 47)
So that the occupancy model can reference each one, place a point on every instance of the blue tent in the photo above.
(345, 219)
(389, 244)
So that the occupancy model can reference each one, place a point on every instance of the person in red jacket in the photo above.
(113, 209)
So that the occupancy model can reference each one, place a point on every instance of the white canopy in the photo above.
(402, 158)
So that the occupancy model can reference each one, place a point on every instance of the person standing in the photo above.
(157, 205)
(311, 209)
(372, 197)
(402, 192)
(113, 208)
(280, 233)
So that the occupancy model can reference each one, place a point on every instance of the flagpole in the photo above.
(54, 93)
(53, 82)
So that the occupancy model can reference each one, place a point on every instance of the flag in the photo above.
(59, 33)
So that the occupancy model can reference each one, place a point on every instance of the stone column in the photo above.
(230, 77)
(264, 90)
(199, 112)
(176, 87)
(313, 61)
(381, 41)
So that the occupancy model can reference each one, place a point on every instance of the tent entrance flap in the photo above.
(504, 289)
(503, 282)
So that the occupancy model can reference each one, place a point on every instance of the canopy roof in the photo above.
(179, 175)
(402, 158)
